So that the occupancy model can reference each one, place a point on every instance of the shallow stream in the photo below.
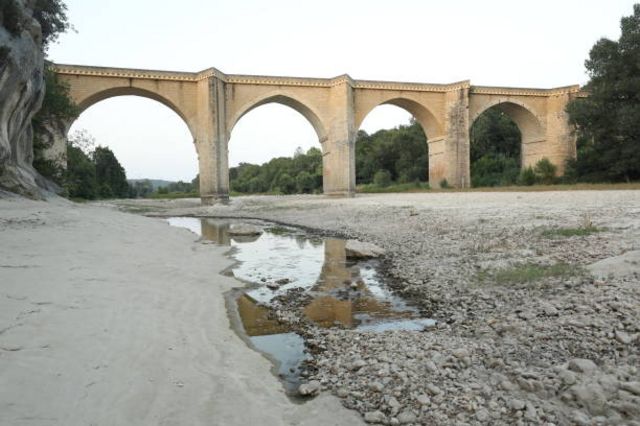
(339, 292)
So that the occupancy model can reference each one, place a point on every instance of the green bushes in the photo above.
(301, 173)
(495, 170)
(527, 177)
(401, 152)
(382, 178)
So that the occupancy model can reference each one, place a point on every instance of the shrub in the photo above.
(545, 171)
(382, 178)
(527, 177)
(494, 170)
(444, 184)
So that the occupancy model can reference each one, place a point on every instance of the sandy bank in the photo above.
(114, 319)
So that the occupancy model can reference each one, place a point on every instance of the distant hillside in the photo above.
(155, 183)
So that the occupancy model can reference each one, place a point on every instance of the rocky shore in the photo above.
(536, 298)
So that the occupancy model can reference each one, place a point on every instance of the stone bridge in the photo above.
(211, 103)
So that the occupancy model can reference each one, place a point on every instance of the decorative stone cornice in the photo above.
(123, 73)
(517, 91)
(260, 80)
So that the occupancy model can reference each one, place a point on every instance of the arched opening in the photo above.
(275, 148)
(498, 137)
(149, 139)
(391, 147)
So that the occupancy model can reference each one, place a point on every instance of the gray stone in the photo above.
(461, 353)
(530, 413)
(273, 286)
(423, 399)
(632, 387)
(623, 337)
(568, 378)
(342, 392)
(407, 417)
(590, 396)
(309, 389)
(358, 364)
(433, 389)
(242, 229)
(376, 386)
(358, 250)
(374, 417)
(482, 415)
(582, 365)
(516, 404)
(393, 402)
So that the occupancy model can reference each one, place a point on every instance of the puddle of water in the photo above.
(341, 292)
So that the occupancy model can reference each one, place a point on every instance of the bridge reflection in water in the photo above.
(338, 292)
(343, 293)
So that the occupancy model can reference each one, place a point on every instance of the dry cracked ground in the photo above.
(536, 296)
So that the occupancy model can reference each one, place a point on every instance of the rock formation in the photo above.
(21, 92)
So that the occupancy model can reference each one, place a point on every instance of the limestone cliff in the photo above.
(21, 92)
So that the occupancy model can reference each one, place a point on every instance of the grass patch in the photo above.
(172, 195)
(571, 232)
(528, 273)
(399, 187)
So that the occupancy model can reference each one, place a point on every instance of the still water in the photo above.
(341, 292)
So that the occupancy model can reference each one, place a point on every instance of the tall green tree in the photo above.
(111, 179)
(80, 176)
(608, 120)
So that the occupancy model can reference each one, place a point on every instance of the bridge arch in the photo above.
(287, 100)
(528, 123)
(431, 126)
(102, 95)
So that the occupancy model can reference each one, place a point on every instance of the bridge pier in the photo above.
(212, 141)
(338, 149)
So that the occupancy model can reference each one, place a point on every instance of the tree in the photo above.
(608, 120)
(110, 175)
(52, 16)
(57, 110)
(494, 133)
(401, 151)
(495, 150)
(80, 176)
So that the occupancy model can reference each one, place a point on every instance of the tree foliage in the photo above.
(495, 150)
(52, 16)
(301, 173)
(57, 110)
(93, 171)
(608, 120)
(111, 179)
(402, 152)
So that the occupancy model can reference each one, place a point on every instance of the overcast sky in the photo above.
(540, 43)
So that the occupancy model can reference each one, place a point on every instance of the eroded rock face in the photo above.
(21, 93)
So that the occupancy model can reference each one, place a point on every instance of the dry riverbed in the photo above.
(536, 296)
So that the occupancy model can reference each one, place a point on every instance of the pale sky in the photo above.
(541, 43)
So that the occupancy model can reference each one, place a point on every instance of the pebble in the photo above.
(406, 417)
(581, 365)
(374, 417)
(309, 389)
